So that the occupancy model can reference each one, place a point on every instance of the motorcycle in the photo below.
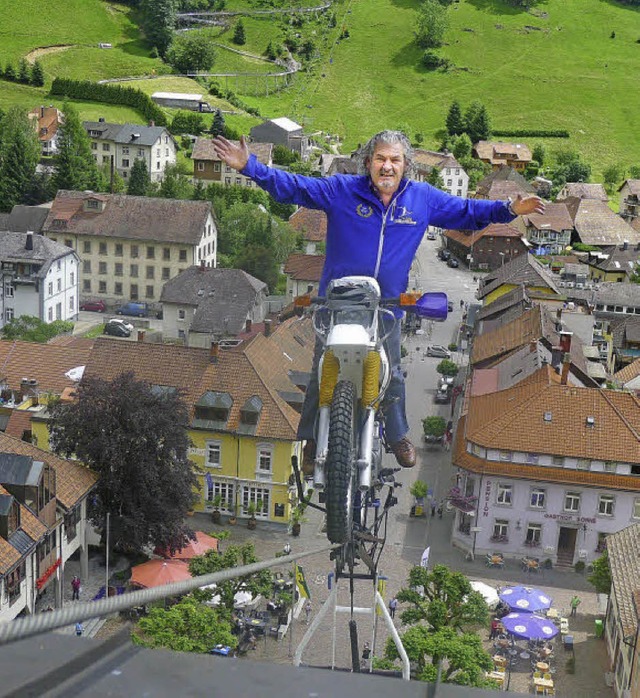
(354, 373)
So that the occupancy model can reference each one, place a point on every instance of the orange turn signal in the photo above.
(302, 301)
(409, 298)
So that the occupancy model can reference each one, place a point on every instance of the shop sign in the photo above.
(487, 498)
(570, 518)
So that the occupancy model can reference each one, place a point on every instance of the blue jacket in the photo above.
(364, 237)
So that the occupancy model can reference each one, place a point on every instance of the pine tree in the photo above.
(217, 125)
(24, 74)
(239, 35)
(75, 166)
(19, 155)
(455, 122)
(37, 74)
(476, 122)
(159, 21)
(139, 179)
(10, 73)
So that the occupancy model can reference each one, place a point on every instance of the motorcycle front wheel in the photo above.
(340, 464)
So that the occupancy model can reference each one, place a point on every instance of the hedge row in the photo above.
(532, 133)
(110, 94)
(217, 91)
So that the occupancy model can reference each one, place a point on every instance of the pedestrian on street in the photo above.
(307, 611)
(366, 653)
(440, 508)
(495, 629)
(393, 604)
(75, 588)
(461, 303)
(287, 548)
(79, 629)
(434, 506)
(575, 602)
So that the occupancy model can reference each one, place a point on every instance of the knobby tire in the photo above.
(340, 468)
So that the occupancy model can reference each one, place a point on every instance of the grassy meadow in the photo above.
(554, 67)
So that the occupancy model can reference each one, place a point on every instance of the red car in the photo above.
(95, 306)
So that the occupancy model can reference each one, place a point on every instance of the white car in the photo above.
(439, 351)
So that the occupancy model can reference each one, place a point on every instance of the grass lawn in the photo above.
(567, 73)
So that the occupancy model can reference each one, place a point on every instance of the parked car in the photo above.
(444, 254)
(439, 351)
(453, 263)
(443, 394)
(117, 328)
(446, 380)
(94, 306)
(134, 309)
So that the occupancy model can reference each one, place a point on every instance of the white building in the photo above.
(126, 143)
(454, 177)
(39, 277)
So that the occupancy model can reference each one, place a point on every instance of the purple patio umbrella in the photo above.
(525, 599)
(529, 626)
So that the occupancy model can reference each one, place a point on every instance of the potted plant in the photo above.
(251, 510)
(297, 517)
(233, 518)
(419, 491)
(216, 502)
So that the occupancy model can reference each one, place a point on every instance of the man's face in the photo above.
(386, 167)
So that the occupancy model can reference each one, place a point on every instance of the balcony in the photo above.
(465, 504)
(499, 539)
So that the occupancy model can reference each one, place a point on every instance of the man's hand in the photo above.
(530, 204)
(235, 156)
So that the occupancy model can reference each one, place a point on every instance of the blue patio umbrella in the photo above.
(525, 599)
(529, 626)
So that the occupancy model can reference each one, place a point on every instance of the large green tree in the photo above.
(158, 22)
(217, 125)
(476, 122)
(601, 575)
(455, 122)
(191, 52)
(174, 185)
(188, 626)
(139, 179)
(37, 74)
(258, 583)
(19, 156)
(431, 24)
(239, 34)
(136, 439)
(76, 167)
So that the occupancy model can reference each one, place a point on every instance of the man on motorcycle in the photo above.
(375, 222)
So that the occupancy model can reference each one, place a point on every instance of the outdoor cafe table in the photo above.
(257, 623)
(545, 683)
(495, 675)
(552, 613)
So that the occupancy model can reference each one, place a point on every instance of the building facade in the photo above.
(282, 131)
(39, 277)
(47, 121)
(129, 246)
(207, 166)
(123, 144)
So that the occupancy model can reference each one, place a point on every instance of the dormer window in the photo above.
(212, 410)
(250, 412)
(9, 516)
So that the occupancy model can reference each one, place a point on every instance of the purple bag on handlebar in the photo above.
(432, 306)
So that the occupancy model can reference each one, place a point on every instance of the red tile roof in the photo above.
(304, 267)
(312, 224)
(624, 561)
(503, 230)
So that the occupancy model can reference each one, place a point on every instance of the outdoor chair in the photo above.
(537, 674)
(547, 676)
(551, 691)
(539, 690)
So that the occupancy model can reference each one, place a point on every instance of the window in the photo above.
(537, 498)
(102, 249)
(134, 251)
(105, 147)
(8, 314)
(151, 252)
(166, 152)
(9, 287)
(117, 289)
(583, 464)
(200, 166)
(94, 146)
(534, 534)
(238, 181)
(166, 253)
(532, 458)
(158, 151)
(125, 150)
(572, 501)
(158, 165)
(133, 292)
(181, 314)
(610, 466)
(506, 455)
(226, 492)
(118, 267)
(558, 460)
(86, 285)
(504, 495)
(50, 315)
(227, 180)
(68, 243)
(500, 530)
(150, 272)
(166, 273)
(264, 463)
(72, 304)
(140, 152)
(257, 496)
(148, 292)
(59, 285)
(183, 255)
(605, 504)
(119, 249)
(102, 268)
(636, 508)
(106, 159)
(216, 166)
(125, 162)
(102, 287)
(212, 458)
(72, 279)
(133, 271)
(86, 246)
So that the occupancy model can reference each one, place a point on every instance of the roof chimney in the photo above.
(625, 245)
(152, 123)
(101, 119)
(213, 352)
(248, 325)
(42, 111)
(29, 243)
(566, 363)
(141, 334)
(565, 341)
(267, 328)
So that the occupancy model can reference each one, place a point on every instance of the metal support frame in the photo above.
(331, 605)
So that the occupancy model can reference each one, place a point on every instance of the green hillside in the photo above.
(554, 67)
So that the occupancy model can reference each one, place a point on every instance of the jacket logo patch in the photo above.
(364, 211)
(404, 217)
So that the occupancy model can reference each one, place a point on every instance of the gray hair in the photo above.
(391, 138)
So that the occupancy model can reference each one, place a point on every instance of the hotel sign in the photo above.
(197, 452)
(569, 518)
